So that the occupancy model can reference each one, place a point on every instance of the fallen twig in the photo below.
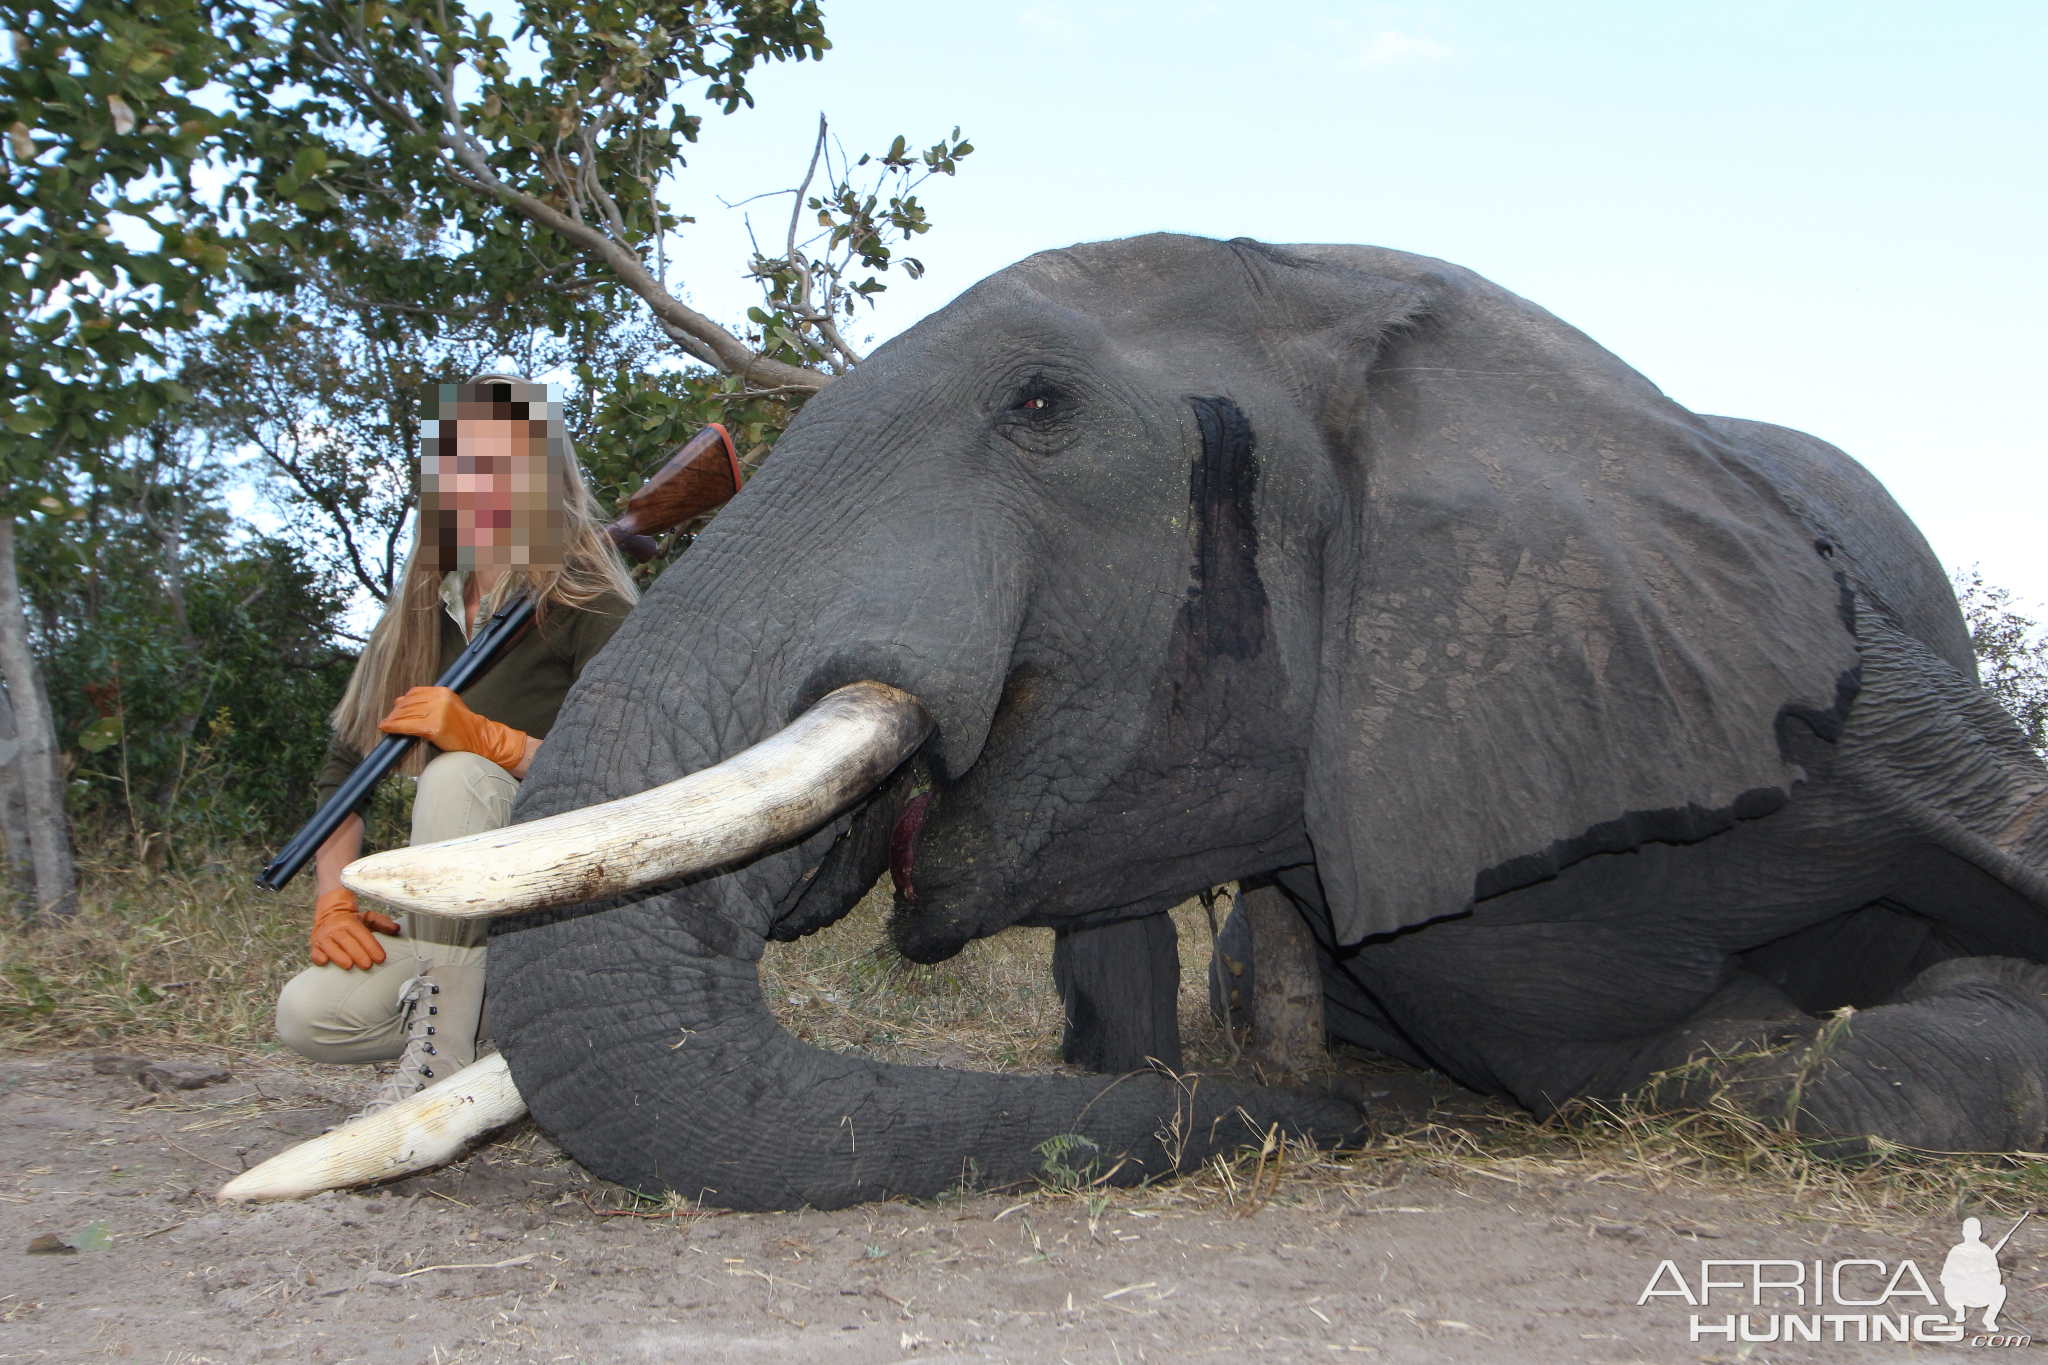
(903, 1304)
(189, 1152)
(773, 1280)
(494, 1265)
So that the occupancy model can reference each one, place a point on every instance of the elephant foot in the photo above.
(1120, 986)
(1960, 1065)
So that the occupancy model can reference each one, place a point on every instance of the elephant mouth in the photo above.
(821, 765)
(903, 846)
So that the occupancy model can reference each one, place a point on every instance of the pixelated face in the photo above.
(490, 489)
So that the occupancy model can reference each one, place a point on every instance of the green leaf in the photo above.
(94, 1237)
(102, 734)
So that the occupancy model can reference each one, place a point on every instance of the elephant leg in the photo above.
(1287, 1003)
(1120, 986)
(1349, 1013)
(1955, 1059)
(1625, 964)
(1961, 1065)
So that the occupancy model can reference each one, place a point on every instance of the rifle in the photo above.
(701, 475)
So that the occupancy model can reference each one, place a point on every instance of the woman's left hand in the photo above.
(438, 716)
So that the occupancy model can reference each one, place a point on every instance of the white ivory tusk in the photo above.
(815, 768)
(418, 1133)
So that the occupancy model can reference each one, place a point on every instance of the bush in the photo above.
(2012, 654)
(191, 667)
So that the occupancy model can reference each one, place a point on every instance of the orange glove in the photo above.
(341, 933)
(438, 716)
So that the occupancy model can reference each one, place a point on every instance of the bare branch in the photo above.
(725, 351)
(313, 492)
(796, 210)
(825, 324)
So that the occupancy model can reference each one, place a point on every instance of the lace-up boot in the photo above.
(441, 1006)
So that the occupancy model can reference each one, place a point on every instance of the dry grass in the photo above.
(992, 1008)
(195, 962)
(154, 959)
(847, 989)
(1717, 1151)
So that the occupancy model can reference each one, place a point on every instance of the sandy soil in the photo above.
(515, 1256)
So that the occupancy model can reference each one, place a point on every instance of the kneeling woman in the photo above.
(503, 508)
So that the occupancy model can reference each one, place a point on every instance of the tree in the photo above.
(408, 196)
(104, 135)
(191, 664)
(547, 154)
(324, 385)
(325, 389)
(2012, 653)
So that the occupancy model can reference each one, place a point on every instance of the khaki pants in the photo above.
(344, 1014)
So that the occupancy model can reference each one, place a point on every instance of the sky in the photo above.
(1825, 215)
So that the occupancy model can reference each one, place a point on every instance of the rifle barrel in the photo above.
(694, 480)
(467, 668)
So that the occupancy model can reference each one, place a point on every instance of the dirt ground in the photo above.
(517, 1255)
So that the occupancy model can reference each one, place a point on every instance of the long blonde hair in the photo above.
(404, 651)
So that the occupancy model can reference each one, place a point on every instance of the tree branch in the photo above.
(314, 494)
(726, 351)
(465, 161)
(796, 209)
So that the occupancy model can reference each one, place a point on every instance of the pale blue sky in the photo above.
(1821, 214)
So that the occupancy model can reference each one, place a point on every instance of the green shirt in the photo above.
(524, 689)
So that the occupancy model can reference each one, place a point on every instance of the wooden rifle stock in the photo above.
(702, 475)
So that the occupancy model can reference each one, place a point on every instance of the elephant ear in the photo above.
(1563, 616)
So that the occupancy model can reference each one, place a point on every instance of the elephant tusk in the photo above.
(418, 1133)
(814, 769)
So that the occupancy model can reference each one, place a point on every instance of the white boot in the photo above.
(442, 1007)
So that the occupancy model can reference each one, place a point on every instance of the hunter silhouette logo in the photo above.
(1970, 1279)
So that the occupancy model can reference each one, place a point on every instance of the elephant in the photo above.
(1588, 736)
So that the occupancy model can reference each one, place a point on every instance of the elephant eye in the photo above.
(1037, 397)
(1040, 418)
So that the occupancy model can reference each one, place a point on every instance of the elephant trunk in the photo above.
(667, 1071)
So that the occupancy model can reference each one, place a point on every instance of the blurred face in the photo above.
(491, 494)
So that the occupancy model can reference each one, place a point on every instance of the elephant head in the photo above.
(1203, 559)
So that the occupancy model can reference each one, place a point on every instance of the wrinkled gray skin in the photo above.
(1583, 729)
